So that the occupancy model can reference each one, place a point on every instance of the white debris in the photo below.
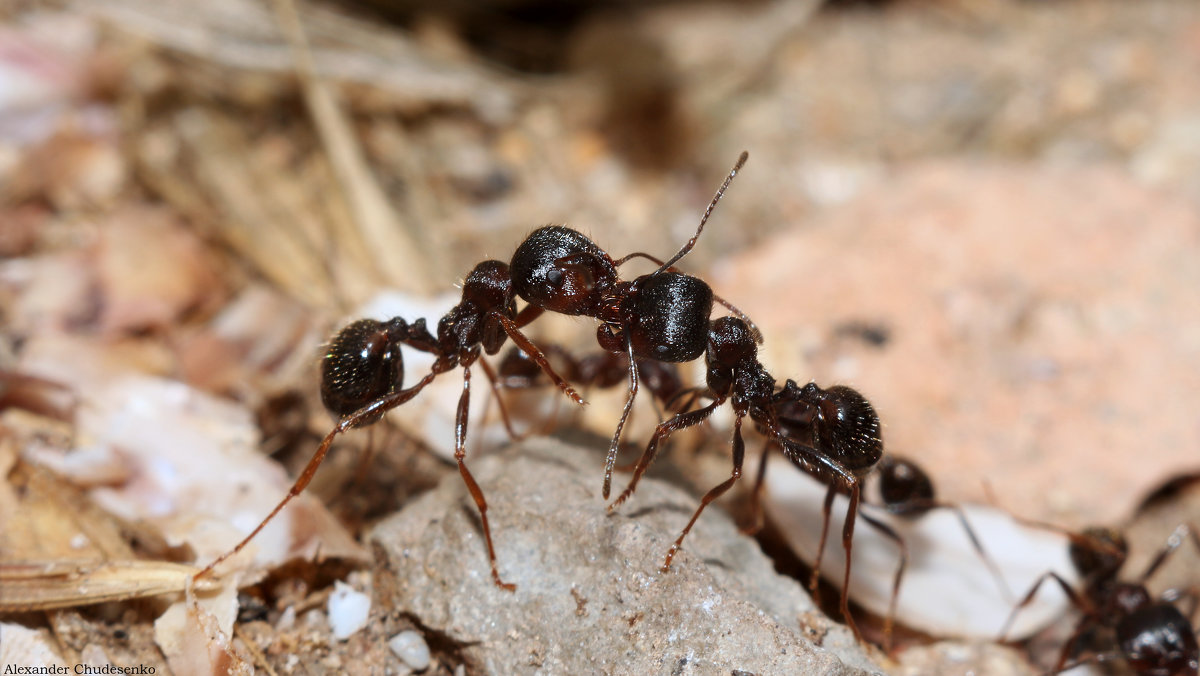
(947, 590)
(411, 648)
(348, 610)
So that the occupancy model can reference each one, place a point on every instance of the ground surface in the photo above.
(981, 214)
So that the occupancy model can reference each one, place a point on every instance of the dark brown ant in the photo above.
(601, 370)
(362, 373)
(1152, 636)
(662, 316)
(832, 434)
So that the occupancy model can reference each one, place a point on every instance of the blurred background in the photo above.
(981, 213)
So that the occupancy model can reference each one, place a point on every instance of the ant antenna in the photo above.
(707, 212)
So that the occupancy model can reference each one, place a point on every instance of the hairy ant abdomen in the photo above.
(361, 364)
(557, 269)
(841, 421)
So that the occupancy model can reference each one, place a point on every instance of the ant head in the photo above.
(903, 482)
(730, 341)
(845, 426)
(488, 287)
(361, 364)
(666, 315)
(518, 365)
(558, 269)
(1098, 552)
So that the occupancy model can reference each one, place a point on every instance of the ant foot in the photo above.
(506, 586)
(670, 555)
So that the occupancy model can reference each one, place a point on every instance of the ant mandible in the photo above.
(1153, 636)
(362, 373)
(662, 316)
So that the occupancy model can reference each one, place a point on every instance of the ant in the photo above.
(1153, 636)
(662, 316)
(832, 434)
(517, 371)
(362, 373)
(602, 370)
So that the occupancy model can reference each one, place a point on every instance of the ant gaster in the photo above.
(662, 316)
(1153, 636)
(362, 374)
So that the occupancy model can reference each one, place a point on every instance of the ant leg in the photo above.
(369, 412)
(1068, 650)
(1001, 583)
(1173, 542)
(1175, 595)
(1075, 598)
(739, 453)
(611, 460)
(527, 315)
(756, 515)
(848, 545)
(661, 434)
(890, 620)
(826, 509)
(527, 346)
(691, 394)
(460, 454)
(495, 383)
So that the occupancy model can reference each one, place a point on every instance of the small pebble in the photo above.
(411, 648)
(287, 619)
(348, 610)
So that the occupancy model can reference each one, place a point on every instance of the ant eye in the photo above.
(555, 277)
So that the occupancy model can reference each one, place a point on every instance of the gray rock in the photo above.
(590, 598)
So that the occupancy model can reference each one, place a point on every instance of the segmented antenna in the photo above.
(707, 212)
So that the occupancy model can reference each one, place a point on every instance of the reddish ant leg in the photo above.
(756, 511)
(890, 621)
(610, 460)
(527, 346)
(739, 454)
(460, 454)
(368, 413)
(661, 434)
(814, 582)
(494, 381)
